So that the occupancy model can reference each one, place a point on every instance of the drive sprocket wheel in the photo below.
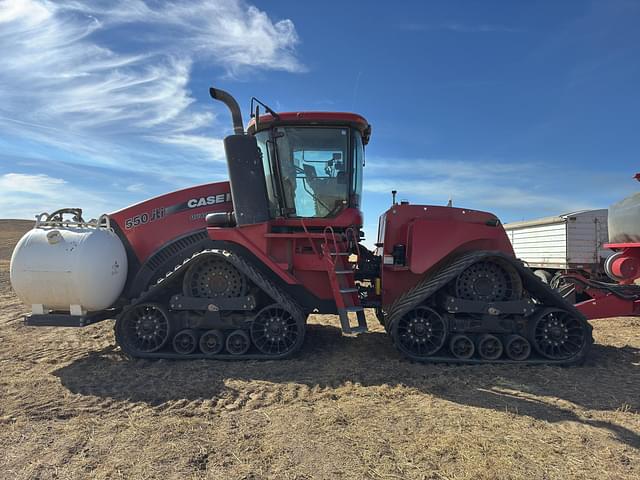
(275, 331)
(420, 333)
(142, 329)
(214, 277)
(489, 280)
(558, 335)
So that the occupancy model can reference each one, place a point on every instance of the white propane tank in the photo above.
(69, 266)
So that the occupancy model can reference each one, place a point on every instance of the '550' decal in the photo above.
(156, 214)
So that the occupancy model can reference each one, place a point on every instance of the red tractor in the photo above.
(623, 266)
(232, 270)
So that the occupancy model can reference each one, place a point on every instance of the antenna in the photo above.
(267, 108)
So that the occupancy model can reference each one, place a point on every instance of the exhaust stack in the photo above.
(232, 105)
(246, 171)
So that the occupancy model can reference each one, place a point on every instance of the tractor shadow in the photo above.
(608, 381)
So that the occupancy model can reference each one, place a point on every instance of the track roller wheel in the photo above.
(238, 342)
(275, 331)
(185, 342)
(489, 347)
(420, 333)
(559, 335)
(462, 347)
(143, 329)
(212, 342)
(517, 348)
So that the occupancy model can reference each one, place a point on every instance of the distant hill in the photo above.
(10, 233)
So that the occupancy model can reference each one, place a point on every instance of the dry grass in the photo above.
(72, 407)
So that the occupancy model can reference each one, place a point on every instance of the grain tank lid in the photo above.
(624, 220)
(562, 218)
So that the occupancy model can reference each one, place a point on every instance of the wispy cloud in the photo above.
(24, 195)
(229, 32)
(107, 83)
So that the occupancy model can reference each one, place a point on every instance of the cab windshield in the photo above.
(320, 169)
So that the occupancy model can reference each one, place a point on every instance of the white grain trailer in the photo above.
(565, 243)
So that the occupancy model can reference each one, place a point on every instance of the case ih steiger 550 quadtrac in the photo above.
(231, 270)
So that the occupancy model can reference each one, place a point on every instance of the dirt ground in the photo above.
(71, 406)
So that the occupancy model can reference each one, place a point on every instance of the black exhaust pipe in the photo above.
(246, 171)
(232, 105)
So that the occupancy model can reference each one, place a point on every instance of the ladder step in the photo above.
(358, 329)
(344, 272)
(345, 324)
(349, 290)
(356, 308)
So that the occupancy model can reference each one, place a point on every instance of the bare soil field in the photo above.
(72, 406)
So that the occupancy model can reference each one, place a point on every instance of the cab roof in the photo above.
(313, 118)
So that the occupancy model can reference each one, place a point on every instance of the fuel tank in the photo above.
(76, 268)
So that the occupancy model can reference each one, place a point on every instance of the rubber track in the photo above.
(252, 273)
(446, 273)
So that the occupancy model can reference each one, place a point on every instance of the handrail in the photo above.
(355, 240)
(44, 220)
(313, 245)
(327, 229)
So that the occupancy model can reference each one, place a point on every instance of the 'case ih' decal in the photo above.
(210, 200)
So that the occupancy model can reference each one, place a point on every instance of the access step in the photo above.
(357, 330)
(345, 323)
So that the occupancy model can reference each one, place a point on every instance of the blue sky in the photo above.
(525, 109)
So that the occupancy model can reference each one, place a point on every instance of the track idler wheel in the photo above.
(238, 342)
(185, 342)
(144, 328)
(517, 348)
(275, 331)
(212, 342)
(558, 335)
(462, 347)
(490, 347)
(420, 333)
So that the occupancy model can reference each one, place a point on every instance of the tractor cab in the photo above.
(296, 165)
(312, 162)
